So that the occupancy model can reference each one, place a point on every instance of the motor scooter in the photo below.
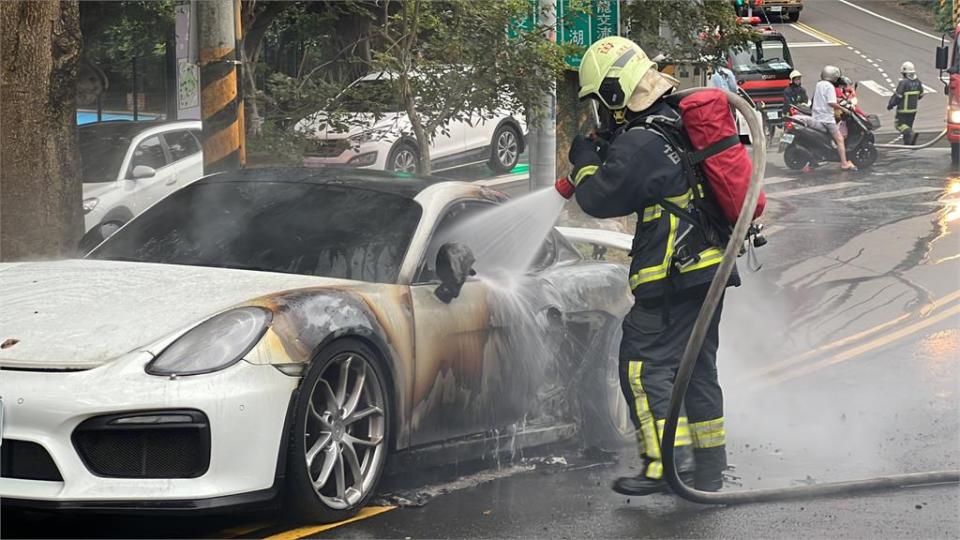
(805, 142)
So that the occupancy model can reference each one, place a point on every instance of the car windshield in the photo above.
(373, 95)
(294, 228)
(768, 54)
(102, 149)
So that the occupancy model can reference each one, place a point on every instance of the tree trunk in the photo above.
(40, 187)
(423, 141)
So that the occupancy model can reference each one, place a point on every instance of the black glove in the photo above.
(602, 139)
(583, 151)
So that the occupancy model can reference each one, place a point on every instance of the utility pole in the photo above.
(220, 105)
(543, 132)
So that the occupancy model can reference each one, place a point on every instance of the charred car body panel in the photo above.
(504, 354)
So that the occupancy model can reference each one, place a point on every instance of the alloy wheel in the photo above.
(507, 147)
(405, 161)
(344, 431)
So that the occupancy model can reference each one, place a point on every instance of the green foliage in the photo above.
(699, 28)
(276, 146)
(116, 32)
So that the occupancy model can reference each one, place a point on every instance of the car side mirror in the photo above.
(454, 266)
(142, 171)
(943, 57)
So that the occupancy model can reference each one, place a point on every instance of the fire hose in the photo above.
(927, 144)
(695, 342)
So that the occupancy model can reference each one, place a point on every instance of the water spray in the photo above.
(694, 344)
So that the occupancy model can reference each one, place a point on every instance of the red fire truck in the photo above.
(948, 58)
(762, 69)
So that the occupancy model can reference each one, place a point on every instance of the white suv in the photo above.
(128, 166)
(387, 143)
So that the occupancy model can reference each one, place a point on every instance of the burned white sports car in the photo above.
(273, 334)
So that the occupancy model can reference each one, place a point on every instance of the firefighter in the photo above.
(906, 100)
(628, 175)
(794, 94)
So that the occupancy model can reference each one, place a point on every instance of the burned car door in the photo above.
(468, 376)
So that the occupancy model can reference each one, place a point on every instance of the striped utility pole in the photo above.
(220, 105)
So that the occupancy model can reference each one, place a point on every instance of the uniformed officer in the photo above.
(794, 94)
(630, 175)
(907, 99)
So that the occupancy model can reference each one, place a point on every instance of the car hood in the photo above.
(79, 314)
(358, 122)
(97, 189)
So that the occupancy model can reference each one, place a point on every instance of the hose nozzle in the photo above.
(565, 187)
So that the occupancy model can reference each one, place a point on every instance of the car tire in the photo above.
(340, 434)
(795, 158)
(504, 149)
(405, 158)
(98, 234)
(955, 154)
(793, 16)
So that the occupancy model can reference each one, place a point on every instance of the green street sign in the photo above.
(574, 27)
(526, 24)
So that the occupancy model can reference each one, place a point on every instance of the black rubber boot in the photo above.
(641, 484)
(710, 465)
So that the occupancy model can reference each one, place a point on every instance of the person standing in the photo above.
(794, 94)
(723, 78)
(825, 107)
(630, 175)
(907, 99)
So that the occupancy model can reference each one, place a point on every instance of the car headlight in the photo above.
(215, 344)
(370, 135)
(955, 116)
(90, 204)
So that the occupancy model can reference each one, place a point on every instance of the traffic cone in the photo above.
(807, 169)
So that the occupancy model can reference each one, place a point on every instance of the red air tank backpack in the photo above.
(715, 161)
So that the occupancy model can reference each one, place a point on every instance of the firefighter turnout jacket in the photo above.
(641, 169)
(907, 97)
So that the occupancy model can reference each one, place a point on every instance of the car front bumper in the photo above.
(371, 155)
(245, 406)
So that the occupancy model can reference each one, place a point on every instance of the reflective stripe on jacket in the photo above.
(907, 97)
(640, 170)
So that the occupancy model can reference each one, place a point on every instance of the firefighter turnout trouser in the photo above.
(649, 358)
(904, 123)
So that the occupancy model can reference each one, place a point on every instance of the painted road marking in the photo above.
(929, 90)
(889, 194)
(872, 85)
(806, 44)
(877, 343)
(814, 189)
(822, 36)
(295, 534)
(790, 362)
(889, 20)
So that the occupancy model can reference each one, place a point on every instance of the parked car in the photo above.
(259, 332)
(127, 166)
(387, 142)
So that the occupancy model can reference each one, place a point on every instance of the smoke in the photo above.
(793, 417)
(508, 238)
